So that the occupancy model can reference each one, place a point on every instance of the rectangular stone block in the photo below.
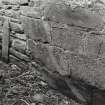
(19, 36)
(35, 29)
(19, 45)
(16, 27)
(5, 41)
(68, 38)
(19, 55)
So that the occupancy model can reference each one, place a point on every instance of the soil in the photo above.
(27, 87)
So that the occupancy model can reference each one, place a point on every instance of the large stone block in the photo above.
(19, 36)
(76, 40)
(58, 11)
(16, 27)
(68, 38)
(19, 45)
(81, 67)
(36, 29)
(50, 56)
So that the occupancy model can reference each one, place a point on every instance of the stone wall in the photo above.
(12, 36)
(64, 40)
(67, 40)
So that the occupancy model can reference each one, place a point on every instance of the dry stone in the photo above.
(50, 56)
(19, 45)
(68, 38)
(20, 36)
(35, 29)
(72, 47)
(65, 62)
(30, 12)
(60, 12)
(14, 2)
(10, 13)
(19, 55)
(5, 40)
(59, 38)
(90, 70)
(16, 27)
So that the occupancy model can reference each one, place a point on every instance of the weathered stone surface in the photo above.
(16, 27)
(22, 2)
(15, 20)
(77, 41)
(13, 2)
(40, 52)
(19, 45)
(10, 13)
(30, 12)
(90, 70)
(60, 12)
(58, 40)
(18, 62)
(19, 36)
(16, 7)
(35, 29)
(68, 38)
(2, 19)
(5, 40)
(56, 59)
(19, 55)
(50, 56)
(72, 48)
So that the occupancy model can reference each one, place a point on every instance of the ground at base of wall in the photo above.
(27, 87)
